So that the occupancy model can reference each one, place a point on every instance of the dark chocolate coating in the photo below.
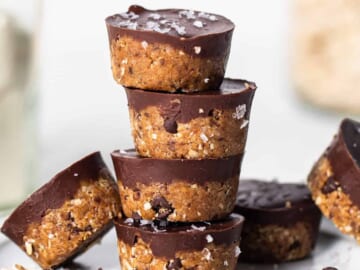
(130, 168)
(344, 158)
(53, 194)
(175, 27)
(276, 203)
(181, 236)
(182, 108)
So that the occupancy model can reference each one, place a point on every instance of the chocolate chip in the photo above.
(169, 113)
(330, 185)
(136, 218)
(294, 245)
(160, 224)
(170, 125)
(137, 194)
(174, 264)
(161, 206)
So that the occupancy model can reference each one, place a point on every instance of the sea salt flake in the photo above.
(144, 222)
(198, 24)
(129, 221)
(150, 25)
(76, 174)
(196, 228)
(189, 14)
(209, 238)
(237, 251)
(197, 49)
(239, 112)
(244, 123)
(226, 263)
(179, 29)
(155, 16)
(206, 80)
(207, 16)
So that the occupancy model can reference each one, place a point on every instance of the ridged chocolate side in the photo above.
(181, 236)
(130, 168)
(185, 107)
(275, 203)
(344, 157)
(52, 195)
(214, 38)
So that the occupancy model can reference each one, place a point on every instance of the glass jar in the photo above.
(326, 53)
(19, 26)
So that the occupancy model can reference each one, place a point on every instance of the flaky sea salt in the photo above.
(198, 24)
(239, 112)
(189, 14)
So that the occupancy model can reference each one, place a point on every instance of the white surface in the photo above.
(332, 250)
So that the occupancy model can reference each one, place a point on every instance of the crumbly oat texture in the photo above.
(180, 201)
(326, 55)
(212, 257)
(76, 223)
(334, 204)
(275, 243)
(156, 66)
(221, 134)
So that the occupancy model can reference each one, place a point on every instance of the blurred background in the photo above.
(58, 101)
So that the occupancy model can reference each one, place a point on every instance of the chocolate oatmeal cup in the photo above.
(65, 216)
(335, 180)
(176, 190)
(169, 49)
(282, 221)
(144, 245)
(210, 124)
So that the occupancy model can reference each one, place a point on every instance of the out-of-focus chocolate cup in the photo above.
(334, 180)
(177, 190)
(169, 49)
(211, 245)
(210, 124)
(282, 221)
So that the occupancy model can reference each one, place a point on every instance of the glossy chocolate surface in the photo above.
(165, 242)
(275, 203)
(130, 169)
(52, 195)
(344, 157)
(182, 108)
(183, 29)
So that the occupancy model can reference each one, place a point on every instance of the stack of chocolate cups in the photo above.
(189, 124)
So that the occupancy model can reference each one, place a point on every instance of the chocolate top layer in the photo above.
(185, 107)
(52, 195)
(165, 242)
(130, 169)
(183, 29)
(344, 157)
(273, 202)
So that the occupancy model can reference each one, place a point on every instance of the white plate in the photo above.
(332, 249)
